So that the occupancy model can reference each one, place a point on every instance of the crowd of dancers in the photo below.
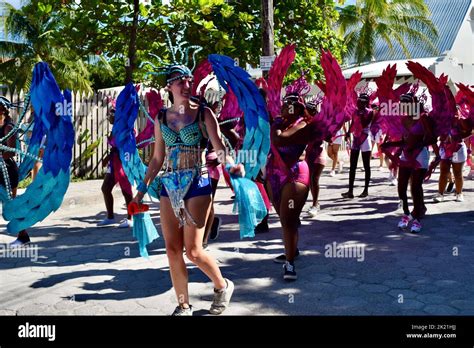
(195, 142)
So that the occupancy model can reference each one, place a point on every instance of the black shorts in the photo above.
(12, 170)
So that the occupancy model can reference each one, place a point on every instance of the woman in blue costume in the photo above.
(181, 135)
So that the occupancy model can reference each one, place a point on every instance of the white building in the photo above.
(454, 20)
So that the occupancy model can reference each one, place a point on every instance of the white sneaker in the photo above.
(341, 166)
(332, 173)
(106, 222)
(313, 210)
(459, 197)
(222, 298)
(17, 244)
(438, 198)
(125, 223)
(394, 182)
(416, 226)
(405, 221)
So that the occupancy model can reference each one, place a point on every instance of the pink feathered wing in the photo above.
(155, 103)
(333, 108)
(275, 78)
(332, 116)
(202, 70)
(466, 101)
(442, 100)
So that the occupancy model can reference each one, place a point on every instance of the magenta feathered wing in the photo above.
(231, 107)
(202, 70)
(333, 108)
(390, 121)
(155, 103)
(442, 100)
(276, 76)
(466, 101)
(351, 105)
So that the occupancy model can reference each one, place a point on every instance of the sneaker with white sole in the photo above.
(126, 223)
(313, 210)
(404, 221)
(438, 198)
(222, 298)
(341, 166)
(415, 226)
(289, 272)
(17, 243)
(459, 197)
(183, 311)
(106, 222)
(332, 173)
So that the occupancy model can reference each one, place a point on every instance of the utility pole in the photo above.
(268, 47)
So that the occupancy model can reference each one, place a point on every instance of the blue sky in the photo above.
(15, 3)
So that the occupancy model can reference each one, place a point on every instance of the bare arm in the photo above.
(156, 162)
(301, 134)
(214, 134)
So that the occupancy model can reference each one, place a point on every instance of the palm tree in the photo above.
(31, 39)
(399, 21)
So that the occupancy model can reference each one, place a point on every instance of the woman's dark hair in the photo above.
(364, 96)
(170, 97)
(408, 98)
(6, 113)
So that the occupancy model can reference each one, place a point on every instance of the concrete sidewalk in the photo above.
(81, 269)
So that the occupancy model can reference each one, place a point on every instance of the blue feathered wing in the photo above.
(28, 162)
(257, 127)
(248, 200)
(126, 113)
(45, 194)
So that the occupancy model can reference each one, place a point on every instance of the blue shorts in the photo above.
(201, 186)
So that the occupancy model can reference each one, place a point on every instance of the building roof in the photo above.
(370, 71)
(446, 15)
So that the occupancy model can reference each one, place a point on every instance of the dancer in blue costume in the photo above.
(185, 200)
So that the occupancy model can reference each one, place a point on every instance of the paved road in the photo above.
(81, 269)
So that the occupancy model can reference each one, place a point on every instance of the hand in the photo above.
(138, 197)
(238, 170)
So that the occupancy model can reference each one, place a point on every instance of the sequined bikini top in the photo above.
(189, 135)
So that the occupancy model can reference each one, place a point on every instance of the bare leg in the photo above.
(199, 208)
(174, 242)
(315, 175)
(458, 178)
(107, 186)
(443, 176)
(210, 219)
(293, 199)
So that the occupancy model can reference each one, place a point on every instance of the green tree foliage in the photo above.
(400, 21)
(36, 29)
(107, 42)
